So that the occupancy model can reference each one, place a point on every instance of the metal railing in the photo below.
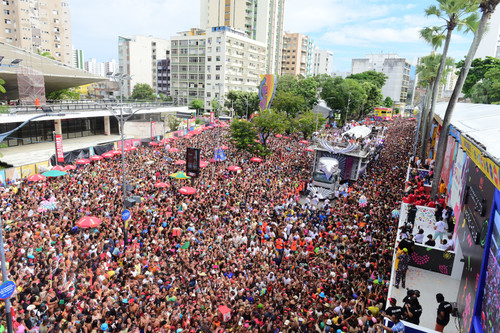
(67, 107)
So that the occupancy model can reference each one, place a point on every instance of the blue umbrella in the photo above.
(54, 173)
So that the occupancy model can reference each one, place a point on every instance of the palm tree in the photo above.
(487, 8)
(459, 14)
(427, 71)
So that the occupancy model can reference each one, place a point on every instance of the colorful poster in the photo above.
(59, 148)
(13, 174)
(448, 160)
(489, 167)
(41, 167)
(267, 90)
(28, 170)
(188, 124)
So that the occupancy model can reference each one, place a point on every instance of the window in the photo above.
(5, 2)
(218, 49)
(8, 30)
(55, 12)
(209, 58)
(217, 77)
(9, 40)
(217, 58)
(6, 12)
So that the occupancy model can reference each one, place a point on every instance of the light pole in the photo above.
(347, 110)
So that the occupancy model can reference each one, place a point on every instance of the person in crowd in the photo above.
(430, 241)
(443, 313)
(404, 260)
(419, 237)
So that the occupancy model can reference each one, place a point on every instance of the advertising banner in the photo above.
(489, 167)
(59, 148)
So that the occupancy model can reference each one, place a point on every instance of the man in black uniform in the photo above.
(443, 313)
(393, 309)
(412, 311)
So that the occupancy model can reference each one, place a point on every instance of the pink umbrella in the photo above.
(88, 222)
(108, 155)
(203, 164)
(115, 152)
(257, 141)
(83, 161)
(213, 160)
(69, 167)
(278, 135)
(58, 168)
(152, 143)
(234, 168)
(161, 185)
(129, 149)
(96, 157)
(187, 190)
(304, 142)
(36, 177)
(224, 147)
(173, 150)
(256, 159)
(285, 137)
(180, 162)
(309, 150)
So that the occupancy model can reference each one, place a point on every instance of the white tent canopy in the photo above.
(358, 131)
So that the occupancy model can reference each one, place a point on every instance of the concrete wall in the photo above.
(142, 129)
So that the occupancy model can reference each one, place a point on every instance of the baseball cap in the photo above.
(392, 300)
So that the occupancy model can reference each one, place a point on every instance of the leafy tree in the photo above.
(215, 106)
(196, 104)
(2, 88)
(477, 72)
(373, 97)
(173, 122)
(143, 91)
(397, 110)
(308, 122)
(267, 122)
(459, 14)
(243, 134)
(321, 79)
(45, 54)
(289, 103)
(298, 85)
(388, 102)
(377, 78)
(347, 96)
(63, 94)
(238, 101)
(487, 8)
(487, 91)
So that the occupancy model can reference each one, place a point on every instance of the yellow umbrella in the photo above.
(180, 175)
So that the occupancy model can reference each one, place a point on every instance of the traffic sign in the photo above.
(126, 215)
(7, 289)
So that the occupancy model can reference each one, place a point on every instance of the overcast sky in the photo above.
(349, 28)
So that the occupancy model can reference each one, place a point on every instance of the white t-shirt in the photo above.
(440, 225)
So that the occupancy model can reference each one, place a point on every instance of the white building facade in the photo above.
(138, 57)
(322, 62)
(490, 43)
(261, 20)
(206, 65)
(397, 70)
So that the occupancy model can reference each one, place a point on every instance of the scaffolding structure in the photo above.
(31, 85)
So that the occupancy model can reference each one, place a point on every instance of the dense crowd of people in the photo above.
(246, 242)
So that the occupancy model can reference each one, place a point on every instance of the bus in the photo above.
(383, 113)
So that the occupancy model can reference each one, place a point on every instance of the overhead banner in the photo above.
(59, 148)
(267, 90)
(487, 166)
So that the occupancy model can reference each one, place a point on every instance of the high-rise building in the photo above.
(297, 56)
(38, 26)
(490, 43)
(262, 20)
(111, 67)
(163, 76)
(95, 67)
(397, 70)
(322, 62)
(138, 57)
(206, 65)
(78, 59)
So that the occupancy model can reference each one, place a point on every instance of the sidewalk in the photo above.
(39, 152)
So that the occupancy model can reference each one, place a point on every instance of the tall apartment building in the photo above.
(163, 76)
(397, 70)
(138, 58)
(322, 62)
(111, 66)
(490, 43)
(78, 59)
(206, 65)
(262, 20)
(297, 55)
(43, 25)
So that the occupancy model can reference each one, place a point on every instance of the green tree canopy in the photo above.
(300, 86)
(477, 72)
(347, 96)
(267, 122)
(487, 91)
(237, 100)
(45, 54)
(378, 79)
(196, 104)
(243, 135)
(388, 102)
(288, 102)
(173, 122)
(2, 88)
(307, 123)
(143, 91)
(63, 94)
(374, 97)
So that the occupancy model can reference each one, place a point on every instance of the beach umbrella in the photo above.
(256, 159)
(203, 164)
(304, 142)
(129, 149)
(278, 135)
(187, 190)
(153, 143)
(53, 173)
(36, 177)
(69, 167)
(108, 155)
(234, 168)
(309, 150)
(161, 185)
(224, 147)
(58, 168)
(82, 161)
(96, 157)
(115, 152)
(179, 175)
(173, 150)
(88, 222)
(180, 162)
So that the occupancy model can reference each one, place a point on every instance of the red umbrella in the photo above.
(180, 162)
(83, 161)
(115, 152)
(224, 147)
(96, 157)
(161, 185)
(256, 159)
(36, 177)
(257, 141)
(203, 164)
(309, 150)
(278, 135)
(58, 168)
(187, 190)
(234, 168)
(69, 167)
(213, 160)
(108, 155)
(173, 150)
(88, 222)
(129, 149)
(285, 137)
(304, 142)
(152, 143)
